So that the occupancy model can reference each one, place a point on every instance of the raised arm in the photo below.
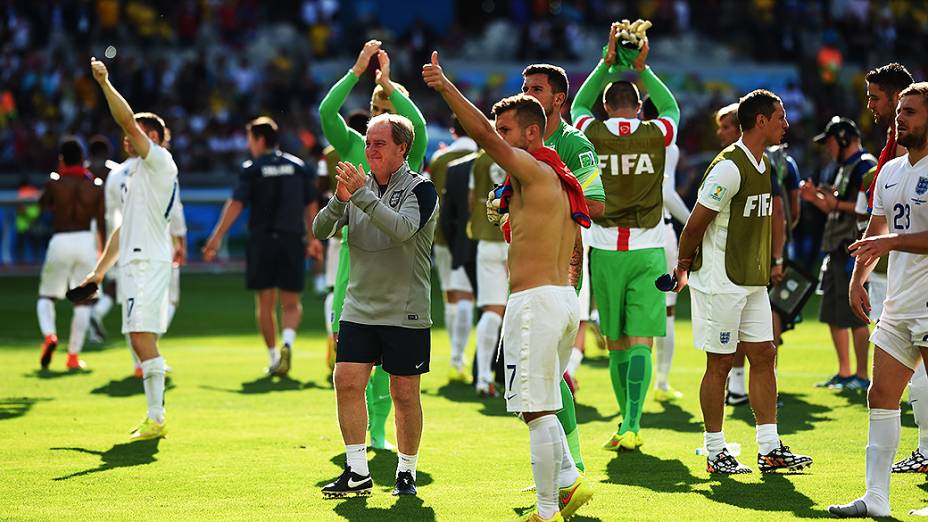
(334, 127)
(405, 107)
(516, 162)
(120, 110)
(589, 91)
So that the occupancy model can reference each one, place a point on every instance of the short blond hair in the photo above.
(379, 93)
(726, 111)
(916, 89)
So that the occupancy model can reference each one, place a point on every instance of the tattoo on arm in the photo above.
(576, 263)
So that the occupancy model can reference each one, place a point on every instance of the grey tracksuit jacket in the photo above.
(390, 233)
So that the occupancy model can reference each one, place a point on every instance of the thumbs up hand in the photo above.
(433, 75)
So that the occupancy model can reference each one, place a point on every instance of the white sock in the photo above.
(102, 307)
(576, 357)
(664, 348)
(45, 310)
(451, 315)
(767, 438)
(327, 310)
(289, 336)
(883, 440)
(79, 324)
(464, 321)
(736, 381)
(356, 458)
(487, 337)
(714, 443)
(153, 382)
(406, 463)
(567, 474)
(918, 397)
(544, 435)
(172, 309)
(272, 356)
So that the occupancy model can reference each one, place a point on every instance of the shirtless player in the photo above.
(542, 304)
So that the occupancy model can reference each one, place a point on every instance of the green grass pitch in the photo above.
(243, 447)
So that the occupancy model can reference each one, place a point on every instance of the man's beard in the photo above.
(914, 139)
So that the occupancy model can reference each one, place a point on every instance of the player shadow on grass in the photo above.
(673, 418)
(404, 508)
(776, 493)
(796, 415)
(13, 407)
(123, 455)
(462, 392)
(55, 374)
(128, 386)
(269, 384)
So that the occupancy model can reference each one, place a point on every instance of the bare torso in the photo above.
(74, 202)
(543, 233)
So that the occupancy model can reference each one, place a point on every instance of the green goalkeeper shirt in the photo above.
(577, 152)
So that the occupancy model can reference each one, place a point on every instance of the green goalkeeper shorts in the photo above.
(623, 285)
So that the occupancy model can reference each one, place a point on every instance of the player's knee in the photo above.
(762, 355)
(720, 364)
(405, 393)
(881, 396)
(347, 382)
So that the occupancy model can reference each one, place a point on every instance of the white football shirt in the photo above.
(902, 197)
(150, 195)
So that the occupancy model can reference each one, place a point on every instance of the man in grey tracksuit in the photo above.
(386, 318)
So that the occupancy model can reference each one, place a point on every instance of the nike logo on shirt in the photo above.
(886, 186)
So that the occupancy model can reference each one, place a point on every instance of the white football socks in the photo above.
(406, 463)
(487, 337)
(102, 307)
(463, 322)
(451, 315)
(327, 310)
(767, 438)
(883, 440)
(153, 382)
(714, 443)
(356, 458)
(272, 356)
(664, 347)
(45, 310)
(736, 381)
(573, 362)
(547, 452)
(288, 335)
(918, 397)
(79, 324)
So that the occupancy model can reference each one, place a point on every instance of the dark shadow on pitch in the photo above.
(853, 397)
(267, 384)
(128, 386)
(123, 455)
(586, 414)
(13, 407)
(405, 508)
(383, 470)
(460, 392)
(796, 415)
(776, 494)
(55, 374)
(672, 418)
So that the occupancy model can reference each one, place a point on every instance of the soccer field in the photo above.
(245, 447)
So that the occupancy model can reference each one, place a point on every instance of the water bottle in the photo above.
(734, 449)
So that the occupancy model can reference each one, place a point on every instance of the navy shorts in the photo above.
(275, 260)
